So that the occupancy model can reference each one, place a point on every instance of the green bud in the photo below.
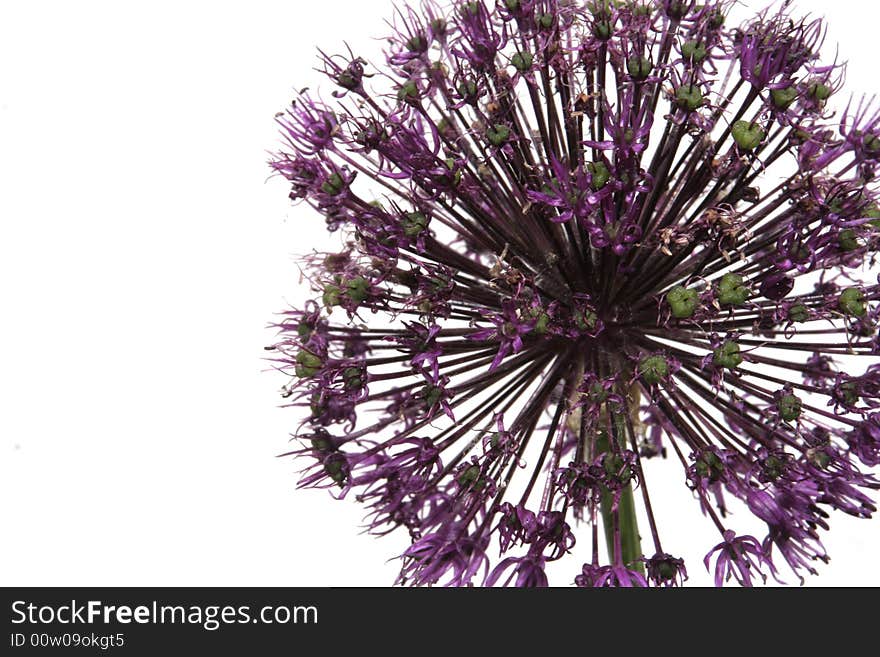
(333, 185)
(818, 91)
(586, 319)
(798, 313)
(731, 291)
(333, 467)
(852, 302)
(512, 5)
(469, 476)
(317, 404)
(871, 144)
(677, 9)
(353, 378)
(601, 9)
(818, 457)
(432, 395)
(748, 136)
(498, 134)
(848, 393)
(709, 466)
(789, 407)
(666, 571)
(522, 61)
(773, 467)
(417, 43)
(847, 240)
(546, 21)
(494, 440)
(467, 88)
(438, 26)
(613, 465)
(542, 322)
(727, 355)
(653, 369)
(408, 91)
(783, 98)
(347, 80)
(307, 364)
(456, 173)
(689, 98)
(694, 50)
(600, 175)
(332, 295)
(717, 19)
(639, 68)
(413, 223)
(321, 444)
(682, 302)
(357, 289)
(603, 30)
(597, 393)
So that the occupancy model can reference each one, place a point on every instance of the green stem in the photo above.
(630, 540)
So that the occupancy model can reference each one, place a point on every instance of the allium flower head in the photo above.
(576, 237)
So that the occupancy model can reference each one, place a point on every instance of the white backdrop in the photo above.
(143, 252)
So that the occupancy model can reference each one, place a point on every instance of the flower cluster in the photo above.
(576, 237)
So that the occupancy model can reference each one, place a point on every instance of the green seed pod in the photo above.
(467, 89)
(709, 466)
(357, 289)
(522, 61)
(417, 43)
(639, 68)
(717, 19)
(469, 476)
(798, 313)
(586, 320)
(600, 175)
(789, 407)
(413, 223)
(748, 136)
(848, 393)
(682, 302)
(782, 99)
(307, 364)
(653, 369)
(689, 98)
(498, 134)
(408, 91)
(871, 144)
(332, 295)
(603, 30)
(819, 92)
(873, 213)
(438, 27)
(333, 185)
(848, 240)
(731, 291)
(852, 302)
(333, 467)
(694, 51)
(727, 355)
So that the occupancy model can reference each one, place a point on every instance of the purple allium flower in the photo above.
(581, 236)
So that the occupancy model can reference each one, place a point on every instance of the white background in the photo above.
(143, 252)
